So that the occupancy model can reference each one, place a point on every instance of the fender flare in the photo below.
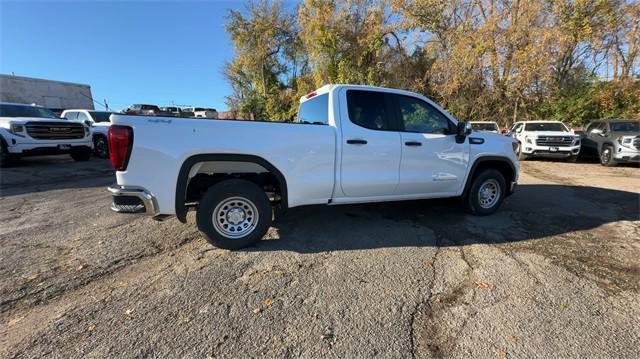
(183, 177)
(607, 143)
(481, 159)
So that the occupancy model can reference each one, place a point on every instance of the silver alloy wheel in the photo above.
(235, 217)
(606, 155)
(489, 193)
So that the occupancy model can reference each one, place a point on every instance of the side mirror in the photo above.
(463, 129)
(88, 123)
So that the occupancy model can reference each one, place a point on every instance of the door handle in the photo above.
(413, 143)
(357, 142)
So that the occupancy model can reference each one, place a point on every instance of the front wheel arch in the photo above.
(502, 164)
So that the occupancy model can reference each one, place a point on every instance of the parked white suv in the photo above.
(29, 130)
(551, 139)
(487, 126)
(351, 144)
(99, 123)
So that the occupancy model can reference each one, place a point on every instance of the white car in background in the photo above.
(99, 123)
(550, 139)
(486, 126)
(29, 130)
(202, 112)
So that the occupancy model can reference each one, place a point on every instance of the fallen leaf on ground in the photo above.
(501, 353)
(512, 339)
(268, 302)
(14, 321)
(483, 285)
(256, 311)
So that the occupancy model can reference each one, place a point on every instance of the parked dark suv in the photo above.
(613, 141)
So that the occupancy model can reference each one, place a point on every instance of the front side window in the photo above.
(82, 117)
(315, 110)
(419, 116)
(71, 115)
(367, 109)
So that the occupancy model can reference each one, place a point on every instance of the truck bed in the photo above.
(303, 153)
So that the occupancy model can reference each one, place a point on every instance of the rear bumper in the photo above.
(128, 199)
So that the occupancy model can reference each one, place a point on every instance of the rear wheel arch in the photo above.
(184, 179)
(502, 164)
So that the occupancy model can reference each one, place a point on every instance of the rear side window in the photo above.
(419, 116)
(315, 110)
(367, 109)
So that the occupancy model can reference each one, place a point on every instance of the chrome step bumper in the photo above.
(130, 199)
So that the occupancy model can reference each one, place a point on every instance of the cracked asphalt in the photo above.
(555, 273)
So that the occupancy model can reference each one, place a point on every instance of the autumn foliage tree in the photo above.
(502, 60)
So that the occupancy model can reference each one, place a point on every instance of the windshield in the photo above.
(484, 127)
(546, 126)
(630, 126)
(100, 116)
(25, 111)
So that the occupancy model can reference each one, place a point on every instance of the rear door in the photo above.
(432, 162)
(370, 144)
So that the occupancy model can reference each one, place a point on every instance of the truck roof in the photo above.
(329, 87)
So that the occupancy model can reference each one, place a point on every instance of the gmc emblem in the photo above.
(59, 129)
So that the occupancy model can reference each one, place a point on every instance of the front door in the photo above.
(432, 162)
(370, 144)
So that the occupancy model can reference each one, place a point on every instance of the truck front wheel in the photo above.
(234, 214)
(486, 193)
(81, 155)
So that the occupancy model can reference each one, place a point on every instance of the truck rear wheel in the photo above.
(486, 193)
(234, 214)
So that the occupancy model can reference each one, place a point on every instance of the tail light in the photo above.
(120, 143)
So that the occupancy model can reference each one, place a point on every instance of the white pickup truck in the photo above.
(352, 144)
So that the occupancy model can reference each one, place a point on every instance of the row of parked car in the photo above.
(173, 111)
(30, 130)
(612, 141)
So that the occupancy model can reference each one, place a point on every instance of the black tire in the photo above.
(100, 147)
(472, 198)
(6, 159)
(81, 155)
(242, 196)
(521, 155)
(572, 158)
(606, 156)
